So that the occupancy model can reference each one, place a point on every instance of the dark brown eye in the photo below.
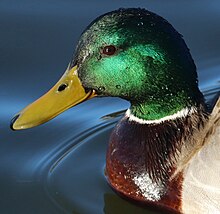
(109, 50)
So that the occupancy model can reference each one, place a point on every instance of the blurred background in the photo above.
(58, 167)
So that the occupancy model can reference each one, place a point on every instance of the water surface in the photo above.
(59, 167)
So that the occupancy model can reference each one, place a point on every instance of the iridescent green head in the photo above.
(129, 53)
(138, 56)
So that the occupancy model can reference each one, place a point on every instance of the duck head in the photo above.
(129, 53)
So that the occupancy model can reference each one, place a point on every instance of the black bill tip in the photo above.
(13, 121)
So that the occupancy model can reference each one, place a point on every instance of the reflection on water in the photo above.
(59, 167)
(210, 81)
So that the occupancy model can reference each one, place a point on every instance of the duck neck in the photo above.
(146, 155)
(165, 134)
(153, 110)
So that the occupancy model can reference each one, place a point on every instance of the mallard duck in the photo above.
(164, 152)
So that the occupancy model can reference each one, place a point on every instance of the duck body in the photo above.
(162, 149)
(165, 165)
(201, 184)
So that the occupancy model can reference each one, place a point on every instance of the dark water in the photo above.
(59, 167)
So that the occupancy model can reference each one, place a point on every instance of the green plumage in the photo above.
(152, 67)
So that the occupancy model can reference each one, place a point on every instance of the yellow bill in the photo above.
(67, 92)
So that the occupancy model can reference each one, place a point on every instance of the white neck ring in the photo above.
(180, 114)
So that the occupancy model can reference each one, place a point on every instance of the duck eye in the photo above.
(109, 50)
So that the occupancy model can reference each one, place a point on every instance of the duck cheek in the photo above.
(91, 81)
(87, 79)
(101, 90)
(118, 91)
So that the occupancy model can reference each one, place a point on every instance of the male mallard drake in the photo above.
(165, 151)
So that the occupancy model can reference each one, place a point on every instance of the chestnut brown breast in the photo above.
(139, 164)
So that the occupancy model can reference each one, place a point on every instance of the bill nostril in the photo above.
(62, 87)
